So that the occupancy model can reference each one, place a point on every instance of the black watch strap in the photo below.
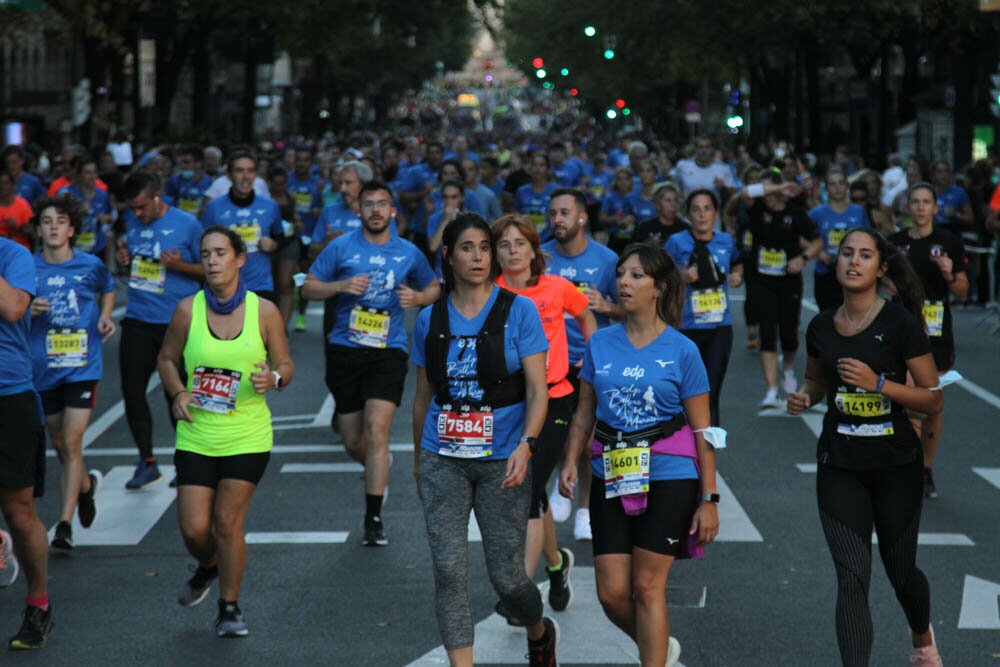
(710, 498)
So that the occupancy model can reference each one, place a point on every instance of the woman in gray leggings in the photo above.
(480, 402)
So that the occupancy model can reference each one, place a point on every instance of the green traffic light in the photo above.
(626, 111)
(564, 71)
(590, 31)
(609, 54)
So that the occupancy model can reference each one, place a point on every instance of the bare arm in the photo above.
(581, 432)
(813, 390)
(170, 356)
(706, 518)
(536, 404)
(276, 342)
(587, 322)
(14, 302)
(421, 404)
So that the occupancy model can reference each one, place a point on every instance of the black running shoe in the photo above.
(560, 589)
(230, 621)
(197, 587)
(63, 538)
(543, 652)
(34, 630)
(86, 508)
(375, 533)
(930, 490)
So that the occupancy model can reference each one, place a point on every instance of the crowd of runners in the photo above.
(576, 322)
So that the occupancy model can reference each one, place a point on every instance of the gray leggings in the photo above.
(451, 488)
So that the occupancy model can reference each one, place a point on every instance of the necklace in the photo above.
(857, 327)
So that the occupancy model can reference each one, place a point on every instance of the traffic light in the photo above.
(564, 71)
(734, 121)
(590, 31)
(620, 103)
(610, 42)
(574, 92)
(540, 73)
(995, 90)
(537, 63)
(609, 54)
(611, 114)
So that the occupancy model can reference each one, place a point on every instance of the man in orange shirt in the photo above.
(15, 212)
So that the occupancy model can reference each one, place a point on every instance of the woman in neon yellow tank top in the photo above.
(225, 335)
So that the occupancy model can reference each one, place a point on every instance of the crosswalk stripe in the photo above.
(302, 537)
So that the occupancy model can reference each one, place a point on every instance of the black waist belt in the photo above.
(607, 435)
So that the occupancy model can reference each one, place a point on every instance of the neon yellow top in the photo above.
(229, 416)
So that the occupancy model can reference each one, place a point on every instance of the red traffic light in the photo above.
(620, 103)
(488, 64)
(574, 92)
(537, 63)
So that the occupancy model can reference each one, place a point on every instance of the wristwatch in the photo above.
(711, 498)
(277, 379)
(531, 440)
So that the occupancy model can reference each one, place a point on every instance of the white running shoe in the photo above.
(581, 531)
(791, 385)
(561, 507)
(771, 399)
(673, 652)
(8, 561)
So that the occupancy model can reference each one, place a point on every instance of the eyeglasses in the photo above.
(381, 203)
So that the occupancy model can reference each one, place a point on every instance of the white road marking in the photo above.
(980, 610)
(991, 475)
(322, 467)
(325, 413)
(277, 449)
(939, 540)
(113, 414)
(118, 312)
(979, 392)
(305, 537)
(586, 636)
(806, 467)
(293, 418)
(124, 517)
(734, 522)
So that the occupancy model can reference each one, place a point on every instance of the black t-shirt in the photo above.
(654, 231)
(864, 430)
(937, 311)
(515, 180)
(777, 236)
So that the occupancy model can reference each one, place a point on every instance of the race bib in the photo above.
(708, 305)
(834, 237)
(303, 201)
(582, 286)
(250, 233)
(147, 274)
(772, 262)
(66, 348)
(369, 326)
(86, 241)
(188, 205)
(597, 190)
(934, 318)
(626, 469)
(465, 434)
(537, 219)
(863, 404)
(866, 430)
(215, 389)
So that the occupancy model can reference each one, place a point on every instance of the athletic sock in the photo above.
(556, 568)
(373, 506)
(42, 602)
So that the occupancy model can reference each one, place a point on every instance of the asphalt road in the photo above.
(764, 594)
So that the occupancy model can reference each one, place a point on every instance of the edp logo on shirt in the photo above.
(569, 273)
(636, 372)
(377, 260)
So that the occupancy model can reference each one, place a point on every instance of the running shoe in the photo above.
(560, 505)
(63, 538)
(196, 588)
(791, 384)
(926, 656)
(673, 652)
(771, 399)
(930, 490)
(146, 474)
(581, 529)
(560, 588)
(501, 609)
(300, 322)
(375, 533)
(8, 561)
(34, 630)
(543, 652)
(86, 508)
(230, 621)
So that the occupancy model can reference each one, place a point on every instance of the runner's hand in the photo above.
(170, 258)
(798, 402)
(690, 274)
(705, 523)
(267, 244)
(407, 296)
(857, 373)
(121, 254)
(567, 480)
(39, 306)
(735, 280)
(107, 328)
(517, 467)
(263, 380)
(597, 302)
(795, 265)
(355, 286)
(179, 407)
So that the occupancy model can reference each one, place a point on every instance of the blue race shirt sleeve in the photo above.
(587, 370)
(420, 336)
(422, 274)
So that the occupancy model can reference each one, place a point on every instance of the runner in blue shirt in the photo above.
(490, 168)
(639, 204)
(833, 221)
(26, 185)
(161, 247)
(617, 222)
(599, 179)
(305, 188)
(22, 447)
(479, 406)
(954, 209)
(452, 196)
(375, 276)
(710, 265)
(70, 318)
(186, 189)
(93, 233)
(532, 199)
(256, 219)
(644, 387)
(568, 173)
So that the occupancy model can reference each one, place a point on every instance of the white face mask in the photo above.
(714, 436)
(951, 377)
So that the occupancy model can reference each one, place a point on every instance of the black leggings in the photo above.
(778, 302)
(715, 345)
(140, 345)
(551, 441)
(850, 503)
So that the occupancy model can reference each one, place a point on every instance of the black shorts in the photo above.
(200, 470)
(22, 443)
(356, 374)
(661, 528)
(548, 454)
(81, 395)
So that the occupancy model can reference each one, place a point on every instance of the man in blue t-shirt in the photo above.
(256, 219)
(376, 276)
(305, 188)
(26, 185)
(22, 447)
(186, 189)
(162, 248)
